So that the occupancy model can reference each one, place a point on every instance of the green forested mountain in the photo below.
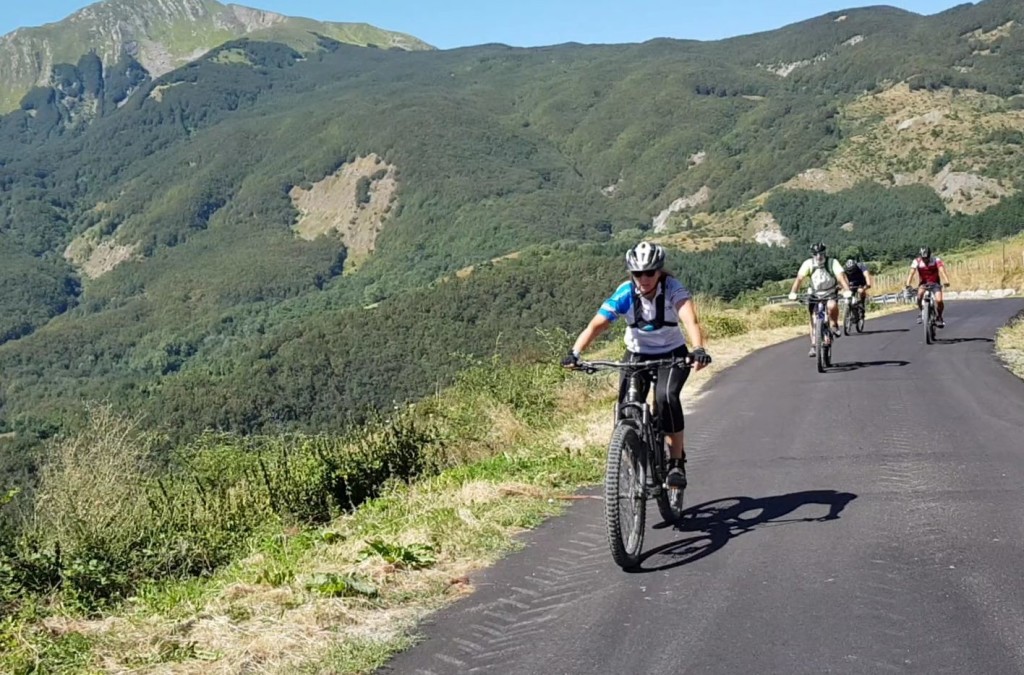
(152, 256)
(161, 35)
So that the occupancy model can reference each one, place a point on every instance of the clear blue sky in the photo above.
(527, 23)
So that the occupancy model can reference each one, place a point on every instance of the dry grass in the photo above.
(1010, 346)
(275, 625)
(89, 485)
(996, 265)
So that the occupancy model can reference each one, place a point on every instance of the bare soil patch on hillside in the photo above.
(354, 202)
(94, 254)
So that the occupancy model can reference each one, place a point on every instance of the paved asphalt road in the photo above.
(868, 520)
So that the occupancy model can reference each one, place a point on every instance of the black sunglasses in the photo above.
(645, 273)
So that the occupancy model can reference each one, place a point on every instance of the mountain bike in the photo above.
(928, 313)
(822, 332)
(637, 463)
(854, 310)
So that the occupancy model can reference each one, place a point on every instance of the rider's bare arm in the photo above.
(597, 325)
(688, 317)
(687, 312)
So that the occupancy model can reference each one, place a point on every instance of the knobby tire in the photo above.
(821, 349)
(625, 529)
(670, 503)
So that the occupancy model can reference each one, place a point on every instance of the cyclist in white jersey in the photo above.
(653, 303)
(825, 275)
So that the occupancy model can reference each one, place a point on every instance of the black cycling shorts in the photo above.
(669, 408)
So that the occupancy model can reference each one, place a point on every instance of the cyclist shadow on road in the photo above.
(714, 524)
(857, 365)
(889, 330)
(956, 341)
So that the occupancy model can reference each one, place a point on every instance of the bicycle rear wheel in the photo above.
(670, 504)
(625, 495)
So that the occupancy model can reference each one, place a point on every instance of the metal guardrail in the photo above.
(887, 299)
(904, 297)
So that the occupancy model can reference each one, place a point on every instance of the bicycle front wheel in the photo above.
(926, 321)
(822, 349)
(625, 495)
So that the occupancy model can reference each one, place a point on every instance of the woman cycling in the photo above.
(653, 333)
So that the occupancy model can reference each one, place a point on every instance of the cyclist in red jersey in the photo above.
(930, 272)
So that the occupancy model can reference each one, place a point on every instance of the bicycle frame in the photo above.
(928, 297)
(638, 444)
(643, 412)
(854, 305)
(928, 310)
(822, 331)
(652, 435)
(821, 321)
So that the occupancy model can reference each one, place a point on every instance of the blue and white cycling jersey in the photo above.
(639, 340)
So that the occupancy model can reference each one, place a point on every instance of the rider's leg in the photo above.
(939, 306)
(810, 316)
(833, 315)
(920, 296)
(676, 445)
(670, 413)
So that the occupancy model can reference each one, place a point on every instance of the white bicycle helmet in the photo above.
(645, 256)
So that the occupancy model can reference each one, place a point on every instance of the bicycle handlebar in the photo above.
(674, 362)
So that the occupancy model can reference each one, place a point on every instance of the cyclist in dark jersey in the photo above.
(859, 277)
(930, 273)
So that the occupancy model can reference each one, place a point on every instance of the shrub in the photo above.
(106, 519)
(722, 326)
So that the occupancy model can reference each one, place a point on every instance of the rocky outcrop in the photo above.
(768, 231)
(698, 198)
(77, 95)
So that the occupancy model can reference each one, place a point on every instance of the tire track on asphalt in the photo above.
(502, 630)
